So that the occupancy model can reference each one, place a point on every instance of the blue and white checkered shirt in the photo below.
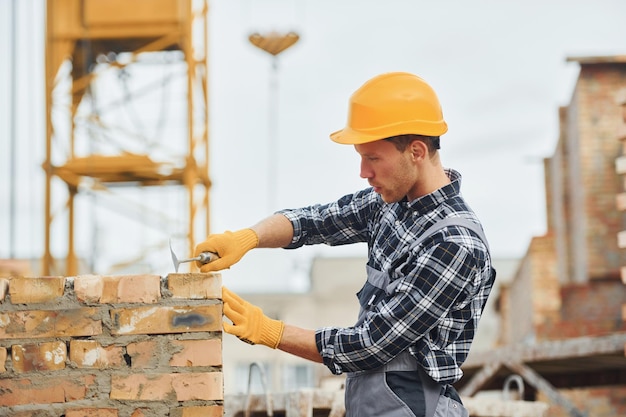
(443, 283)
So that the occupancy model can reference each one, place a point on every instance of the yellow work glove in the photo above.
(249, 322)
(229, 247)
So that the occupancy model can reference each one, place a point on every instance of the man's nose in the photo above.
(366, 172)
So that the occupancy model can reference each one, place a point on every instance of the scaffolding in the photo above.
(116, 72)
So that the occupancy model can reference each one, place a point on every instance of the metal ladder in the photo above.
(268, 396)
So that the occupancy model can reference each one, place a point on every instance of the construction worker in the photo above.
(429, 269)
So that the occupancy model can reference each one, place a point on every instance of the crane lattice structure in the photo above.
(127, 110)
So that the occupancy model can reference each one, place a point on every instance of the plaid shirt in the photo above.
(442, 287)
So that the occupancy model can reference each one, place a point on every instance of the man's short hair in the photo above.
(402, 141)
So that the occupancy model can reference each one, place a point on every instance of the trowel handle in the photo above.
(206, 257)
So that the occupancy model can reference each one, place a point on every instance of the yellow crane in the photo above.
(87, 40)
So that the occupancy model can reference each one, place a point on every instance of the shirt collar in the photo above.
(428, 202)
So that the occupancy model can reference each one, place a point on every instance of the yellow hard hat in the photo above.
(391, 104)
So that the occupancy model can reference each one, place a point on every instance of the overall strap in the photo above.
(438, 225)
(452, 221)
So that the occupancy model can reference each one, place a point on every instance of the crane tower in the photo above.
(127, 112)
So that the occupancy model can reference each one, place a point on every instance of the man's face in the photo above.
(391, 172)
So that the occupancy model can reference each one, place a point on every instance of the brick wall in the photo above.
(592, 309)
(581, 183)
(569, 283)
(559, 272)
(532, 299)
(620, 199)
(593, 121)
(558, 209)
(112, 346)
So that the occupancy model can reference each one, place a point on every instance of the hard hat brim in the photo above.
(349, 136)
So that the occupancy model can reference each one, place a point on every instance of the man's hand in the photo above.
(249, 322)
(229, 246)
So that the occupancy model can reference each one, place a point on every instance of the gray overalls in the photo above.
(401, 388)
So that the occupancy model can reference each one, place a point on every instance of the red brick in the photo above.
(91, 412)
(44, 389)
(134, 289)
(143, 354)
(4, 288)
(167, 319)
(91, 354)
(141, 412)
(49, 323)
(195, 285)
(3, 359)
(88, 288)
(47, 356)
(197, 352)
(36, 290)
(168, 387)
(118, 288)
(198, 411)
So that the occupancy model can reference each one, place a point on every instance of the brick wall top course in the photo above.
(109, 289)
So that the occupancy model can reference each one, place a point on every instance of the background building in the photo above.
(561, 317)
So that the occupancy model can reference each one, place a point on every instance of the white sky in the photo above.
(499, 68)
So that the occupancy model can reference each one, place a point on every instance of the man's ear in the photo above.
(418, 150)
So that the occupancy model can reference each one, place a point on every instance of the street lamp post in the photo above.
(273, 43)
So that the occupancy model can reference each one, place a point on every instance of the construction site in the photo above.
(127, 327)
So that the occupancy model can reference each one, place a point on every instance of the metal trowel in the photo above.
(203, 258)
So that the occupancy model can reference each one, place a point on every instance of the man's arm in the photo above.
(300, 342)
(275, 231)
